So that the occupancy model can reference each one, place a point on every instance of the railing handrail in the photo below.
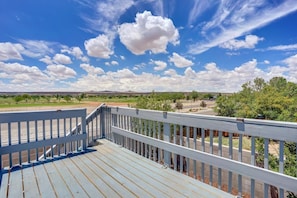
(246, 126)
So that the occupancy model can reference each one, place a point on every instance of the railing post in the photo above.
(102, 121)
(84, 129)
(166, 137)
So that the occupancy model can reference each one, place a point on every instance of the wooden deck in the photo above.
(105, 170)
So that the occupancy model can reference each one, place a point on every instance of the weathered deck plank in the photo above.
(44, 184)
(30, 184)
(106, 170)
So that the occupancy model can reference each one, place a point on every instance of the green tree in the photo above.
(276, 100)
(194, 95)
(18, 99)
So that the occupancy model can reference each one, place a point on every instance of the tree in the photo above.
(194, 95)
(153, 102)
(276, 100)
(18, 98)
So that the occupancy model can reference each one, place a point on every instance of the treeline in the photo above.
(162, 101)
(272, 100)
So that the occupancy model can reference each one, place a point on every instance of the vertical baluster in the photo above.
(253, 162)
(181, 144)
(203, 149)
(154, 136)
(230, 157)
(70, 128)
(211, 151)
(65, 149)
(174, 141)
(92, 126)
(43, 137)
(166, 138)
(240, 160)
(159, 137)
(28, 140)
(266, 163)
(51, 136)
(9, 143)
(19, 142)
(150, 135)
(220, 152)
(195, 147)
(281, 165)
(188, 145)
(58, 136)
(145, 132)
(138, 131)
(36, 139)
(78, 143)
(142, 132)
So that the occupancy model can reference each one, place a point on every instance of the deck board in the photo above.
(105, 170)
(30, 184)
(44, 184)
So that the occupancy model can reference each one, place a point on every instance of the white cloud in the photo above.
(76, 52)
(159, 65)
(123, 57)
(60, 72)
(99, 47)
(38, 48)
(62, 59)
(180, 61)
(107, 15)
(91, 70)
(148, 33)
(283, 47)
(170, 72)
(234, 19)
(107, 63)
(47, 60)
(114, 63)
(266, 62)
(19, 73)
(249, 42)
(10, 51)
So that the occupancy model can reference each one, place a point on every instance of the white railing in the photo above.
(209, 148)
(186, 142)
(25, 136)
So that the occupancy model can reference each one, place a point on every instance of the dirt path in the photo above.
(90, 106)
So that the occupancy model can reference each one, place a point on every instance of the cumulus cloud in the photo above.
(249, 42)
(99, 47)
(180, 61)
(47, 60)
(148, 33)
(19, 73)
(60, 72)
(159, 65)
(123, 57)
(266, 62)
(91, 70)
(76, 52)
(62, 59)
(170, 72)
(10, 51)
(114, 63)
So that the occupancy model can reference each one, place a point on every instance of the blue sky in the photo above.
(126, 45)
